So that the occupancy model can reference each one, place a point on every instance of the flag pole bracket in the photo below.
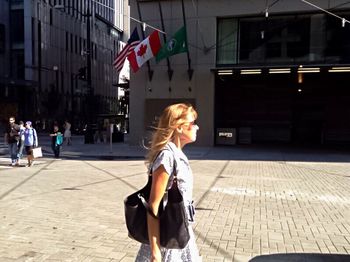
(190, 73)
(170, 74)
(150, 75)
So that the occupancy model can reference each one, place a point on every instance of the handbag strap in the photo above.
(165, 197)
(174, 180)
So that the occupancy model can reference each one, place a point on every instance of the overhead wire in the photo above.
(199, 26)
(343, 19)
(340, 5)
(268, 6)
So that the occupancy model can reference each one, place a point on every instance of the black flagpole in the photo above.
(150, 72)
(170, 72)
(190, 70)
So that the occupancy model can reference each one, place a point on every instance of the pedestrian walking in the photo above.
(176, 128)
(30, 142)
(56, 141)
(67, 133)
(21, 141)
(12, 138)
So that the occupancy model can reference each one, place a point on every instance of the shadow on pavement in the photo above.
(300, 257)
(239, 153)
(274, 153)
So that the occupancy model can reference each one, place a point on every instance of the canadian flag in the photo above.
(144, 51)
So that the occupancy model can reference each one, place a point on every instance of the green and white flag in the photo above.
(177, 44)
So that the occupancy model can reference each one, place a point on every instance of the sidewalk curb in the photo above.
(70, 155)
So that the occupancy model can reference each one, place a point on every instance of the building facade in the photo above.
(56, 59)
(263, 71)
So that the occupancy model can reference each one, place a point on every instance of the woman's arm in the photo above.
(159, 182)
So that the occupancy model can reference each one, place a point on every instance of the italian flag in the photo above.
(144, 51)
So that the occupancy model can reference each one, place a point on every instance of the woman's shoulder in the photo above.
(165, 153)
(165, 158)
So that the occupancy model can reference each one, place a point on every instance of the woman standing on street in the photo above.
(176, 128)
(67, 133)
(30, 142)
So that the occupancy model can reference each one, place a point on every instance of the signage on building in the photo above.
(226, 136)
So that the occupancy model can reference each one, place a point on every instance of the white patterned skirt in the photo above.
(187, 254)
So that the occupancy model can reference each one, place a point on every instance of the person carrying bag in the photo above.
(170, 183)
(172, 215)
(31, 143)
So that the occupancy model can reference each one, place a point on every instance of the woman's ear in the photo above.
(179, 130)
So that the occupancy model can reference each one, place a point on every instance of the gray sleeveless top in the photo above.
(183, 171)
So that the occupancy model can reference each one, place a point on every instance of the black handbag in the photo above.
(174, 232)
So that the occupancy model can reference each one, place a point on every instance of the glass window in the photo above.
(16, 2)
(38, 8)
(251, 42)
(33, 41)
(71, 43)
(277, 39)
(67, 41)
(62, 81)
(337, 40)
(227, 41)
(297, 43)
(76, 44)
(283, 39)
(81, 9)
(19, 65)
(17, 26)
(50, 16)
(2, 38)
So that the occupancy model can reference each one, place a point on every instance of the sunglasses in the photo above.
(193, 123)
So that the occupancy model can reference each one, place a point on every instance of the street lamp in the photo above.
(88, 14)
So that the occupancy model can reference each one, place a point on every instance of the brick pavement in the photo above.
(250, 201)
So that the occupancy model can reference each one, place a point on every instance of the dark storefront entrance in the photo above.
(277, 108)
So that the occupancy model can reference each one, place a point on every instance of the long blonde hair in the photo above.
(172, 117)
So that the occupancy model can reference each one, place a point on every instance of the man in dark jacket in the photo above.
(12, 138)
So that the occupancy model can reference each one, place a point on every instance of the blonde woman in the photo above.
(176, 128)
(67, 133)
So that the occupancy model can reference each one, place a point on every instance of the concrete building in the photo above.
(263, 71)
(46, 59)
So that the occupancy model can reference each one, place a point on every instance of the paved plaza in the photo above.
(250, 201)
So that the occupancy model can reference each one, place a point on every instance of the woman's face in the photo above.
(189, 130)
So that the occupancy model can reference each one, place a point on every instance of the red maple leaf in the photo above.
(142, 50)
